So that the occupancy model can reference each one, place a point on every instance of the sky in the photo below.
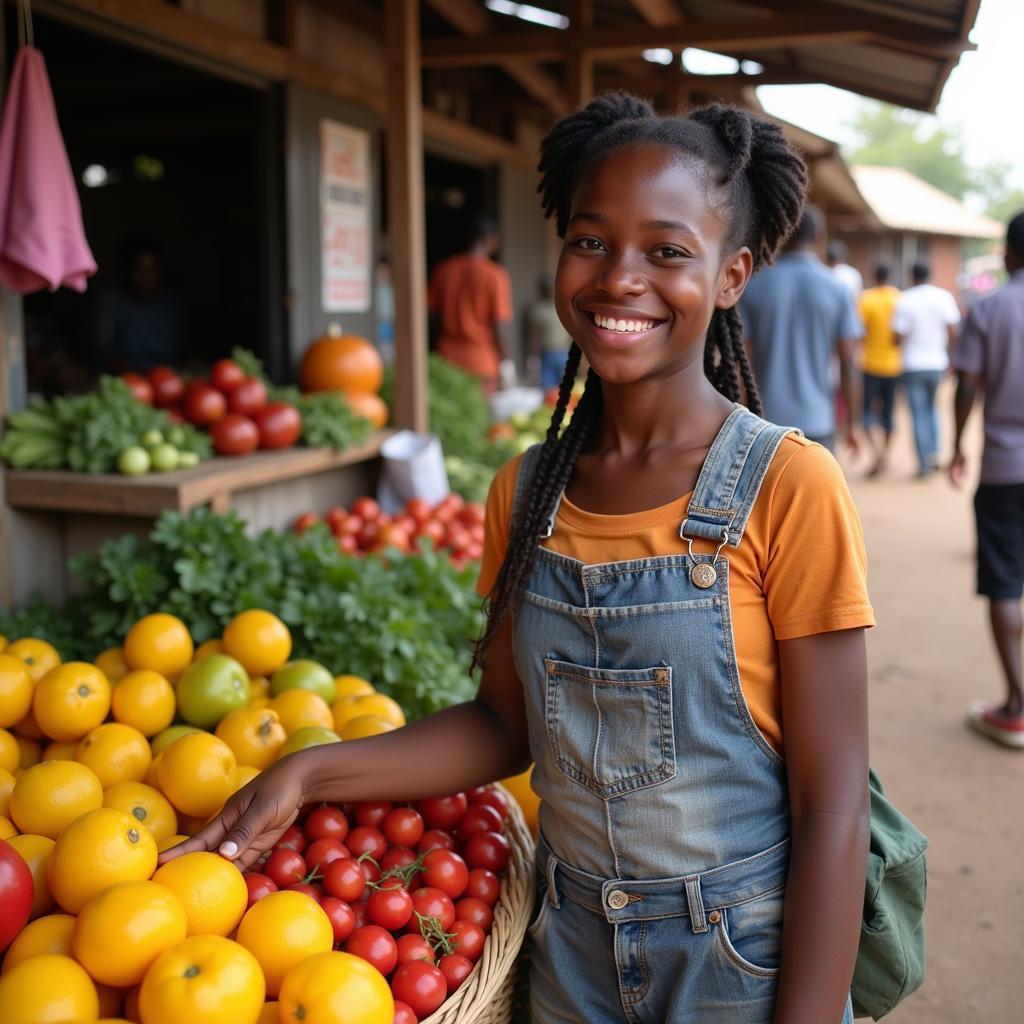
(981, 97)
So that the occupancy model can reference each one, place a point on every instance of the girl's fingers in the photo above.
(207, 838)
(240, 837)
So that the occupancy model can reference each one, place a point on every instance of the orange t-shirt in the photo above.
(800, 569)
(469, 295)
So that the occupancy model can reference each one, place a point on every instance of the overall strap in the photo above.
(729, 483)
(527, 466)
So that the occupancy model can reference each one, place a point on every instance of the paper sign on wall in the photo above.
(344, 218)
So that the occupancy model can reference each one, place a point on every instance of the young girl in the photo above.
(675, 634)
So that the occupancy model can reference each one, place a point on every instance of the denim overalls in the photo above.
(665, 822)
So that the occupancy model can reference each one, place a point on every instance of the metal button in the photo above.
(714, 917)
(704, 575)
(617, 899)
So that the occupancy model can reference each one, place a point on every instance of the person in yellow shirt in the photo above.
(882, 365)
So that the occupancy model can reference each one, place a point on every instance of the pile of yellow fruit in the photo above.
(103, 765)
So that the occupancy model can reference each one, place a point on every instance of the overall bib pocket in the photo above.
(610, 730)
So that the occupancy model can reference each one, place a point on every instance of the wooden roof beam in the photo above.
(659, 12)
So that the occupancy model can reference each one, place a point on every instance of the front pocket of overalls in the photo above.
(751, 934)
(610, 730)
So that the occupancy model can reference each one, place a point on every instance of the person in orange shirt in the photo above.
(470, 301)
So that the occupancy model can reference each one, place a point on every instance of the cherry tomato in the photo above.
(414, 947)
(327, 823)
(456, 969)
(480, 818)
(393, 536)
(404, 1014)
(140, 387)
(434, 530)
(472, 909)
(492, 798)
(350, 526)
(484, 885)
(374, 945)
(371, 871)
(226, 375)
(304, 522)
(421, 985)
(373, 812)
(391, 908)
(453, 501)
(341, 915)
(322, 852)
(444, 811)
(168, 387)
(204, 404)
(344, 879)
(419, 508)
(429, 902)
(234, 434)
(366, 508)
(279, 425)
(474, 794)
(348, 544)
(367, 535)
(447, 871)
(312, 891)
(359, 909)
(488, 850)
(397, 857)
(17, 891)
(403, 827)
(259, 885)
(366, 839)
(469, 939)
(285, 868)
(292, 838)
(474, 513)
(435, 839)
(248, 397)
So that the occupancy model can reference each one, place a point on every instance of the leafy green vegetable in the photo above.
(328, 421)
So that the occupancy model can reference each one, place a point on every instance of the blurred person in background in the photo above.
(924, 323)
(881, 365)
(836, 260)
(990, 357)
(546, 340)
(797, 316)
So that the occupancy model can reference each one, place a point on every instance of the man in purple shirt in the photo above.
(990, 355)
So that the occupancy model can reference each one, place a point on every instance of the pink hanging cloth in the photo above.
(42, 241)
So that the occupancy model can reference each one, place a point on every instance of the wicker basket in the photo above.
(486, 995)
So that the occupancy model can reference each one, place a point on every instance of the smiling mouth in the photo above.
(623, 326)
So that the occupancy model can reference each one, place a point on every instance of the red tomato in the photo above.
(373, 812)
(292, 838)
(488, 850)
(248, 397)
(397, 857)
(492, 798)
(168, 387)
(312, 891)
(351, 524)
(344, 879)
(484, 885)
(393, 536)
(234, 434)
(226, 375)
(404, 1014)
(474, 513)
(139, 386)
(279, 424)
(391, 908)
(474, 552)
(374, 945)
(469, 939)
(259, 885)
(480, 818)
(453, 501)
(341, 916)
(334, 517)
(327, 823)
(443, 811)
(477, 911)
(456, 969)
(421, 985)
(175, 415)
(473, 795)
(428, 902)
(367, 536)
(322, 852)
(305, 521)
(447, 871)
(403, 827)
(366, 508)
(371, 871)
(204, 404)
(285, 868)
(359, 909)
(348, 544)
(433, 529)
(457, 537)
(366, 839)
(16, 893)
(419, 508)
(435, 839)
(414, 947)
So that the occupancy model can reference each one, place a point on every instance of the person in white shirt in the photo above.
(924, 326)
(835, 257)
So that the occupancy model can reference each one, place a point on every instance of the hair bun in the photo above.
(735, 130)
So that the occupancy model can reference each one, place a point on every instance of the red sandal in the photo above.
(991, 723)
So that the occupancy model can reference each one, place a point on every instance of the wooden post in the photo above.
(406, 212)
(579, 65)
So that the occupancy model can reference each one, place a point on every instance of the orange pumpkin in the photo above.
(341, 362)
(372, 406)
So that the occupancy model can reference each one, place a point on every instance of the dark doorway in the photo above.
(455, 194)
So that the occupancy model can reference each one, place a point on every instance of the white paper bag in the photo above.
(413, 468)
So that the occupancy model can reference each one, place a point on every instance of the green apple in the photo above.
(165, 457)
(308, 736)
(304, 674)
(211, 688)
(133, 461)
(162, 740)
(151, 438)
(188, 460)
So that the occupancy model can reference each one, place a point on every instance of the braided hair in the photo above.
(763, 183)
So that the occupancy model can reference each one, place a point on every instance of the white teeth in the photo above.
(623, 326)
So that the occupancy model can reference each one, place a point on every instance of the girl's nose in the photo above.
(620, 277)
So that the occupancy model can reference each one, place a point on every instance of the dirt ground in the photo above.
(929, 657)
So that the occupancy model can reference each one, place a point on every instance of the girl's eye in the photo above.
(588, 244)
(669, 252)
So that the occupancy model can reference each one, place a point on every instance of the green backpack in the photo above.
(890, 959)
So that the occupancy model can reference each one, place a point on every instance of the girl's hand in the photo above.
(252, 820)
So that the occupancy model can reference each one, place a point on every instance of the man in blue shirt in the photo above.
(796, 317)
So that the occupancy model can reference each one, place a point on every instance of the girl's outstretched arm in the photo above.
(824, 711)
(463, 746)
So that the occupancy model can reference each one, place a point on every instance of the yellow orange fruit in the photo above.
(520, 788)
(152, 777)
(281, 929)
(30, 752)
(197, 774)
(269, 1014)
(57, 751)
(7, 781)
(50, 934)
(211, 646)
(244, 774)
(37, 654)
(47, 797)
(111, 663)
(259, 689)
(352, 686)
(145, 700)
(47, 989)
(115, 847)
(35, 851)
(336, 988)
(166, 737)
(299, 708)
(29, 727)
(15, 690)
(259, 640)
(210, 888)
(146, 805)
(123, 929)
(10, 752)
(366, 725)
(255, 735)
(170, 841)
(71, 700)
(159, 642)
(206, 979)
(7, 828)
(116, 753)
(377, 704)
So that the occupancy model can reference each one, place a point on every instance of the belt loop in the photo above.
(553, 882)
(698, 922)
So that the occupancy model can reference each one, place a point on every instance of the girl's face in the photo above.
(642, 267)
